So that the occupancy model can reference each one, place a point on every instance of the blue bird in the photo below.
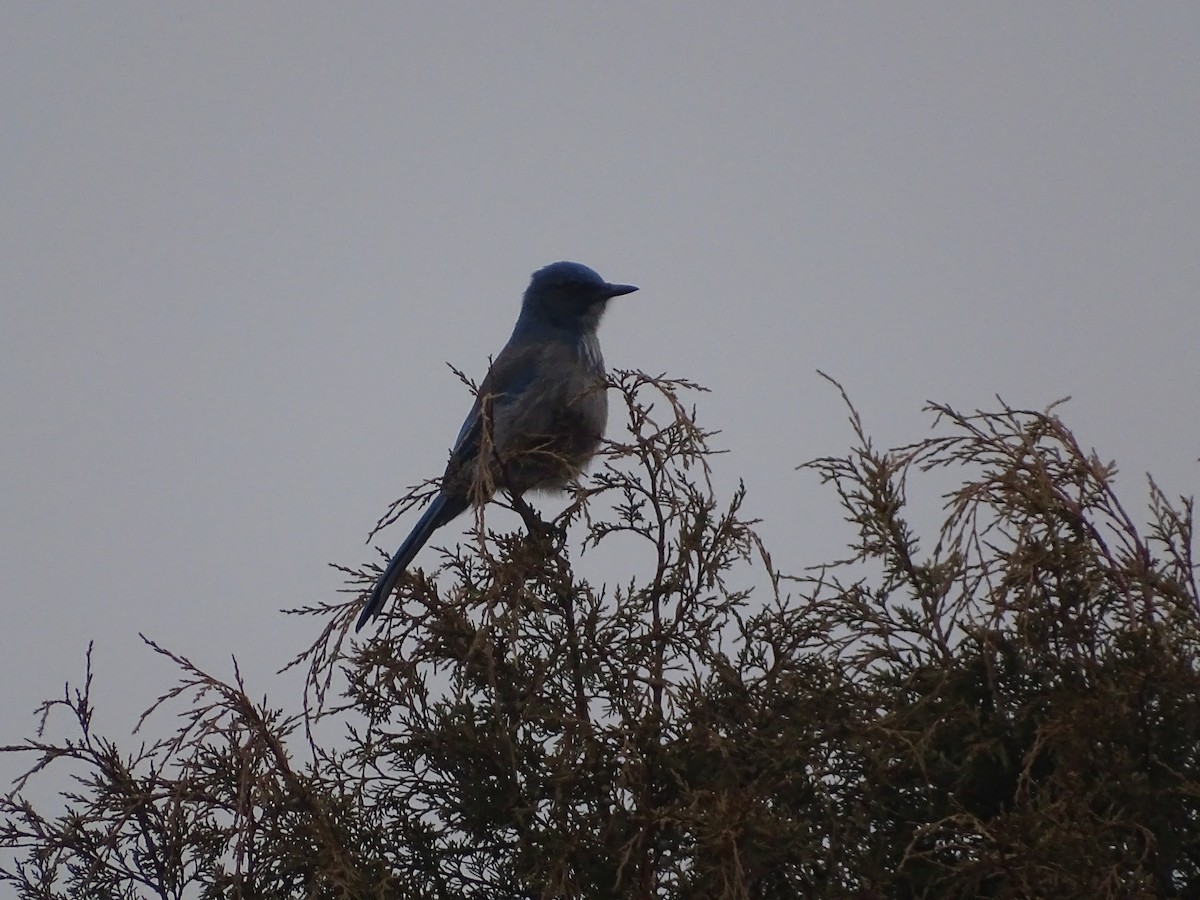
(539, 414)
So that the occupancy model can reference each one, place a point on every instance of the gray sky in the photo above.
(239, 244)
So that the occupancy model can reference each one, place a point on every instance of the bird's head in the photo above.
(570, 295)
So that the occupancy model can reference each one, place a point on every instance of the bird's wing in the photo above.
(511, 375)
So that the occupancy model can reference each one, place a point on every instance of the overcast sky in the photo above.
(240, 242)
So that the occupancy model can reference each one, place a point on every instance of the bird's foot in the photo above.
(537, 526)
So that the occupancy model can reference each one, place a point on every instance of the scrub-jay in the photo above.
(539, 413)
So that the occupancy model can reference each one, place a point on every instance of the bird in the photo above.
(539, 414)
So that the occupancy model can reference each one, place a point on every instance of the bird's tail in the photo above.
(439, 512)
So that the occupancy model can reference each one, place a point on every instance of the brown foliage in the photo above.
(1014, 713)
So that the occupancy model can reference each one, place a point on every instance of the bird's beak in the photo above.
(616, 290)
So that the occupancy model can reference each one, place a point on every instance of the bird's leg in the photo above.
(528, 514)
(534, 522)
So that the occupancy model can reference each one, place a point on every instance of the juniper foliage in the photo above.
(1013, 712)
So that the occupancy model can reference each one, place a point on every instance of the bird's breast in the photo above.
(588, 349)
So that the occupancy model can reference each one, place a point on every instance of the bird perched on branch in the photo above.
(539, 413)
